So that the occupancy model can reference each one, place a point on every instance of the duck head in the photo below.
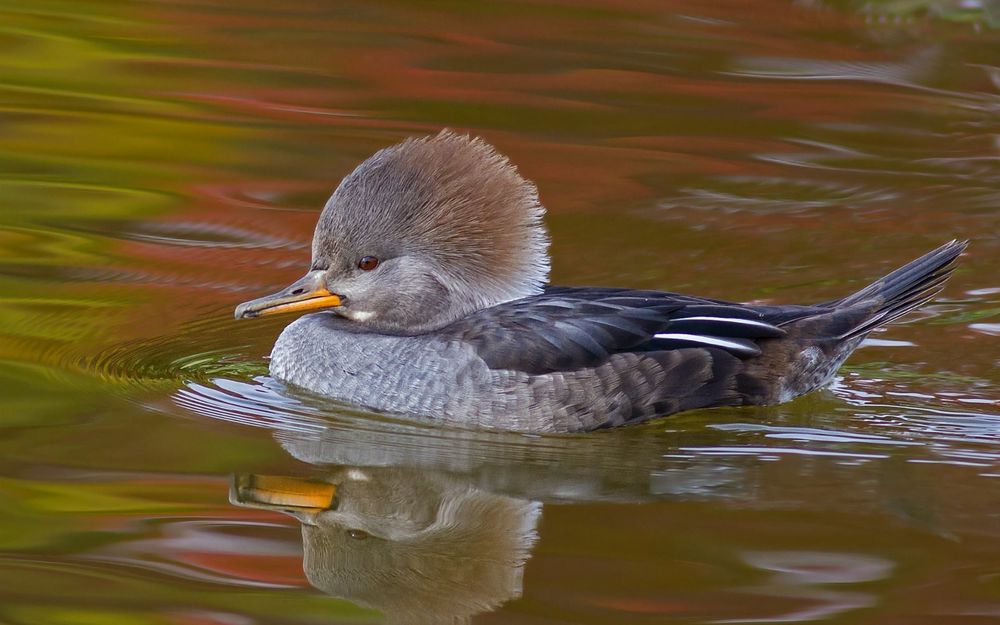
(419, 235)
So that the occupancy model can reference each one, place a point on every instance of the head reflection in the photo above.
(422, 547)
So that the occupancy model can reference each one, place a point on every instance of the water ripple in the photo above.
(766, 195)
(201, 234)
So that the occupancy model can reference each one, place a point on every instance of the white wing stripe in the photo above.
(732, 320)
(707, 340)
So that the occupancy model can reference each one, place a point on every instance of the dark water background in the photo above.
(162, 161)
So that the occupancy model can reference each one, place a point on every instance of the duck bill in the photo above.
(291, 495)
(307, 293)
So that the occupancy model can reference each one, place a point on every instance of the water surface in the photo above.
(162, 161)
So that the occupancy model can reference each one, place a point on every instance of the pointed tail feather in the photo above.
(903, 290)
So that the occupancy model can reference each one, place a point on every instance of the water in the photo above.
(161, 162)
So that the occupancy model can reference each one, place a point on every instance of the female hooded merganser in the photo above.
(432, 259)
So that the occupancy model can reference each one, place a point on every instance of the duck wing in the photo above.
(572, 328)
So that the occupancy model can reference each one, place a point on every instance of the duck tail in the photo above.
(912, 285)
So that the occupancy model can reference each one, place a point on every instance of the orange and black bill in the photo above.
(307, 293)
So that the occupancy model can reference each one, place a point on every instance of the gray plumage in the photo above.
(454, 324)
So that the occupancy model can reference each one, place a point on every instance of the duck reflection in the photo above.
(435, 526)
(422, 547)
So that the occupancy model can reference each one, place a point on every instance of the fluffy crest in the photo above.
(449, 198)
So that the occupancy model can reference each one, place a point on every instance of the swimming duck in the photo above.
(430, 262)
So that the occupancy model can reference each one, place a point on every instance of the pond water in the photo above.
(162, 161)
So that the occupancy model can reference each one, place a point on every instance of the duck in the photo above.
(428, 297)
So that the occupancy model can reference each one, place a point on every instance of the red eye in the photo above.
(368, 263)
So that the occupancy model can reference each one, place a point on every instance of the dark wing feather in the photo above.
(566, 328)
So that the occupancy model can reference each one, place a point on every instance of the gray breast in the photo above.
(410, 375)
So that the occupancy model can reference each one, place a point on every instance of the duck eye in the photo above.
(368, 263)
